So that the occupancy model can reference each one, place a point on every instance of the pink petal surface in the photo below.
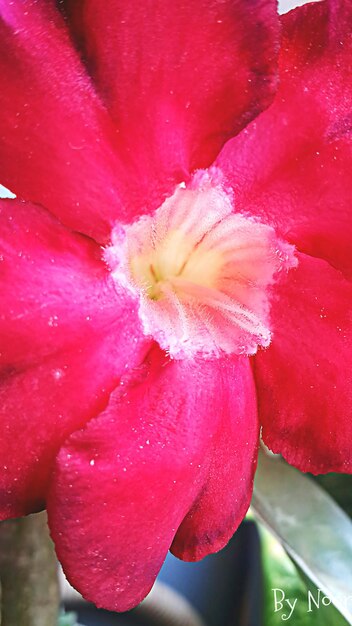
(291, 166)
(66, 336)
(43, 404)
(226, 495)
(178, 78)
(141, 465)
(55, 289)
(304, 379)
(57, 141)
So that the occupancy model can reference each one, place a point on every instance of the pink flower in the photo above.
(161, 293)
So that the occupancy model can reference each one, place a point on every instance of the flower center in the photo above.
(173, 262)
(202, 273)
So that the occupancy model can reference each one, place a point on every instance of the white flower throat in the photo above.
(201, 272)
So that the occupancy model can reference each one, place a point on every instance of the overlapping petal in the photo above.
(179, 78)
(143, 463)
(225, 497)
(43, 404)
(66, 336)
(57, 141)
(291, 166)
(304, 379)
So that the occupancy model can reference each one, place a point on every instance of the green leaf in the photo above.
(315, 532)
(67, 619)
(288, 596)
(339, 486)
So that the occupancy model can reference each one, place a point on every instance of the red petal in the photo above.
(292, 167)
(225, 498)
(141, 465)
(56, 137)
(66, 336)
(178, 77)
(304, 378)
(55, 290)
(41, 406)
